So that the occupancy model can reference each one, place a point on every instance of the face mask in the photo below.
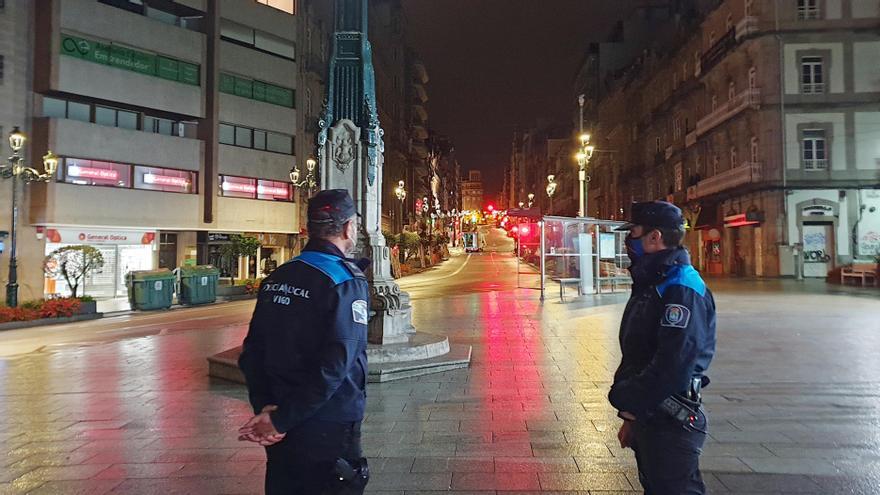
(634, 248)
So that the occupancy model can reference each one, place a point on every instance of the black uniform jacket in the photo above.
(667, 335)
(305, 350)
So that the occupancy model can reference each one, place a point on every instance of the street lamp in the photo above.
(583, 156)
(531, 199)
(15, 171)
(521, 204)
(551, 190)
(310, 179)
(400, 192)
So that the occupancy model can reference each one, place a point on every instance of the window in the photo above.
(749, 7)
(79, 111)
(257, 90)
(815, 155)
(288, 6)
(96, 173)
(227, 134)
(714, 102)
(734, 160)
(256, 39)
(244, 137)
(712, 38)
(728, 24)
(684, 71)
(159, 126)
(257, 139)
(731, 90)
(716, 160)
(807, 10)
(1, 67)
(113, 117)
(812, 75)
(753, 154)
(53, 107)
(753, 78)
(248, 188)
(166, 180)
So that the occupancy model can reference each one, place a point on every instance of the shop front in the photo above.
(123, 251)
(274, 250)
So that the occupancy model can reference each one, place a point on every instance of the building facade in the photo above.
(763, 123)
(472, 192)
(176, 126)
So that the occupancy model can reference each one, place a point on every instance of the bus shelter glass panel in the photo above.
(586, 254)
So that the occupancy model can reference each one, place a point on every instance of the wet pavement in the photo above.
(794, 404)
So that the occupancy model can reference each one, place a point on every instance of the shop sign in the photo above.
(106, 237)
(93, 173)
(166, 180)
(217, 237)
(130, 59)
(744, 219)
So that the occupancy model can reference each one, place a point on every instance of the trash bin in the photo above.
(150, 289)
(198, 284)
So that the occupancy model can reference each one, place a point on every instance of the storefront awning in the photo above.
(707, 218)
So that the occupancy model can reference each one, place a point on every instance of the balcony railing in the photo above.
(690, 139)
(718, 50)
(747, 173)
(748, 25)
(748, 98)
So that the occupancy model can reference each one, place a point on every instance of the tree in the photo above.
(239, 246)
(74, 264)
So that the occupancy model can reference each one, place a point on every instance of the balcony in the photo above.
(750, 98)
(420, 112)
(420, 92)
(747, 173)
(420, 73)
(745, 27)
(718, 51)
(690, 139)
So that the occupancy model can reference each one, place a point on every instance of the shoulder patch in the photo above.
(359, 312)
(685, 276)
(676, 316)
(329, 265)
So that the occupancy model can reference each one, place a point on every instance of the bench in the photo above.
(567, 281)
(863, 272)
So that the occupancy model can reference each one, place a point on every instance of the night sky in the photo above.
(498, 64)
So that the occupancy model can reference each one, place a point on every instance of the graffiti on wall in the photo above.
(869, 243)
(814, 248)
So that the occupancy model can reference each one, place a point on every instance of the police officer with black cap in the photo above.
(305, 362)
(667, 338)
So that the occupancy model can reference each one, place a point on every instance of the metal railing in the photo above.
(748, 98)
(748, 25)
(813, 88)
(816, 164)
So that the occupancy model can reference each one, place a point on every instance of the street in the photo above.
(123, 405)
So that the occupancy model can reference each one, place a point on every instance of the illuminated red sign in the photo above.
(273, 191)
(164, 180)
(239, 187)
(92, 173)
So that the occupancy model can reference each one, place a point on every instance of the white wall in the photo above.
(84, 140)
(259, 164)
(246, 215)
(837, 143)
(833, 68)
(867, 140)
(862, 9)
(866, 66)
(109, 83)
(833, 9)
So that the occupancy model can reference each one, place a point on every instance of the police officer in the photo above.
(305, 362)
(667, 338)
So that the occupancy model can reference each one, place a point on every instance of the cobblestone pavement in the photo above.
(793, 403)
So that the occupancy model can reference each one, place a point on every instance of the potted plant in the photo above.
(87, 305)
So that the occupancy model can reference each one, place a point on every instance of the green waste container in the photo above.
(150, 289)
(198, 284)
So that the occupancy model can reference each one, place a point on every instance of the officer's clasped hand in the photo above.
(260, 429)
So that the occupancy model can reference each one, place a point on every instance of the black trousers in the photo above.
(303, 463)
(668, 456)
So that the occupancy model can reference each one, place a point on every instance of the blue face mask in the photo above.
(634, 248)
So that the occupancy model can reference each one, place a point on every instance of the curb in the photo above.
(14, 325)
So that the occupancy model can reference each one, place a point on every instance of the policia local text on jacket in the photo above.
(305, 352)
(667, 338)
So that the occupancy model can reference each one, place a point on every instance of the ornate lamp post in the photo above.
(400, 192)
(15, 171)
(521, 204)
(310, 180)
(551, 190)
(583, 157)
(531, 199)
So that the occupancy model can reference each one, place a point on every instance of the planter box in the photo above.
(88, 308)
(231, 290)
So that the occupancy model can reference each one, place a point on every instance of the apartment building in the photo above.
(472, 192)
(176, 125)
(763, 123)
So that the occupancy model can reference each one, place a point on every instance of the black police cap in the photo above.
(331, 206)
(655, 214)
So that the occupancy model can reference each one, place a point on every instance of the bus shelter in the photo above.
(585, 253)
